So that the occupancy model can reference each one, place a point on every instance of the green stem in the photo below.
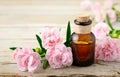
(45, 64)
(40, 43)
(109, 23)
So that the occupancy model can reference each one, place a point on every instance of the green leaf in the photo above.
(68, 35)
(114, 33)
(113, 8)
(109, 23)
(33, 49)
(118, 13)
(40, 43)
(12, 48)
(42, 55)
(45, 64)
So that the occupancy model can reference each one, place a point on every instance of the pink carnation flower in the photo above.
(108, 49)
(112, 15)
(50, 38)
(96, 7)
(27, 60)
(101, 30)
(108, 4)
(15, 55)
(60, 56)
(99, 13)
(86, 5)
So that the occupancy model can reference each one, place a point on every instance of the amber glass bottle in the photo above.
(83, 41)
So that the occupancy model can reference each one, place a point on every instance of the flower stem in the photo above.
(109, 23)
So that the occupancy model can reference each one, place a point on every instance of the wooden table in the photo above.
(20, 20)
(8, 68)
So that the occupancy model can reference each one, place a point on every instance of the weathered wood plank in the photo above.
(23, 35)
(26, 32)
(6, 44)
(38, 2)
(35, 11)
(43, 2)
(103, 69)
(8, 67)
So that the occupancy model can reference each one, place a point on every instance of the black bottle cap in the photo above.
(82, 23)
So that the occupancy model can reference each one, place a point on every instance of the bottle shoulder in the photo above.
(83, 37)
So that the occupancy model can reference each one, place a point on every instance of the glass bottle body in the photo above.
(83, 48)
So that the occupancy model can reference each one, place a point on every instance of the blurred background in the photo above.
(20, 20)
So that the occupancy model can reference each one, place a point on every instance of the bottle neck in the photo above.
(82, 29)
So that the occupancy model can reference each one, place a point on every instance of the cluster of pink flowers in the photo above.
(27, 59)
(107, 48)
(99, 11)
(86, 4)
(58, 55)
(101, 30)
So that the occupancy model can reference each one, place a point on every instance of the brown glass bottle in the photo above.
(83, 43)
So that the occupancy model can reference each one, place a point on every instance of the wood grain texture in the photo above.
(100, 69)
(20, 20)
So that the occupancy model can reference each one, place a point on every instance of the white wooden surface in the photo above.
(20, 20)
(8, 68)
